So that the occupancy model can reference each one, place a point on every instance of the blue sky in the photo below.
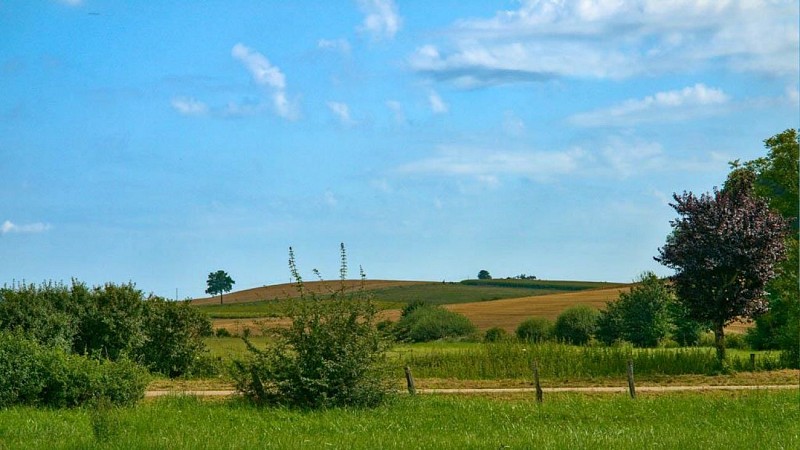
(156, 142)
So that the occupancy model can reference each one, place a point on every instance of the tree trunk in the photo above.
(719, 340)
(220, 298)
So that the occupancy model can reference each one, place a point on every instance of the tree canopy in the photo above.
(484, 275)
(724, 247)
(219, 282)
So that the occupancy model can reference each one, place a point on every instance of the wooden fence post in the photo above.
(410, 381)
(631, 385)
(539, 394)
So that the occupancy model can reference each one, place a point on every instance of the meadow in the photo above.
(730, 420)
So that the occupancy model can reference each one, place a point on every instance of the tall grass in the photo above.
(558, 361)
(746, 420)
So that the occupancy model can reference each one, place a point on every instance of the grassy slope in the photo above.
(741, 420)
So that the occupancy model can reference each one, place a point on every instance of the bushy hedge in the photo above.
(535, 329)
(110, 321)
(576, 325)
(31, 374)
(428, 323)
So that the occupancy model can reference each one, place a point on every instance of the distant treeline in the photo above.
(541, 284)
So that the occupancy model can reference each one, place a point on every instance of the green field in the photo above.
(554, 286)
(732, 420)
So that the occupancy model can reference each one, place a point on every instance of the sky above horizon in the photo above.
(156, 142)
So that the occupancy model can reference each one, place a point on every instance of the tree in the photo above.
(641, 317)
(724, 248)
(219, 282)
(776, 179)
(484, 275)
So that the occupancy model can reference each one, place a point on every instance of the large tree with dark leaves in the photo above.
(724, 248)
(219, 282)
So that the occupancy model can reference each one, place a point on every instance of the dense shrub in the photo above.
(495, 334)
(31, 374)
(576, 325)
(332, 355)
(40, 312)
(640, 316)
(535, 329)
(174, 336)
(110, 321)
(429, 323)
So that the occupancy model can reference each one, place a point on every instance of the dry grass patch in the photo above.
(289, 290)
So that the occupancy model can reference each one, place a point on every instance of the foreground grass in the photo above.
(744, 420)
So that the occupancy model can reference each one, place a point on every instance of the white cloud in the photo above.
(381, 20)
(267, 76)
(614, 39)
(338, 45)
(512, 124)
(330, 199)
(681, 104)
(438, 106)
(10, 227)
(342, 112)
(397, 110)
(793, 94)
(189, 106)
(488, 167)
(626, 157)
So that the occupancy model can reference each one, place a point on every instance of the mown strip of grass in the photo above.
(740, 420)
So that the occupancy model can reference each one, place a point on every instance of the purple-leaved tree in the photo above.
(724, 248)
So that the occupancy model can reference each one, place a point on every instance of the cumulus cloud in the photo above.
(337, 45)
(10, 227)
(397, 111)
(488, 166)
(614, 39)
(342, 112)
(438, 106)
(382, 20)
(267, 76)
(681, 104)
(189, 106)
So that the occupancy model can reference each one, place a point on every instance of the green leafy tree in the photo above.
(484, 275)
(724, 248)
(219, 282)
(776, 179)
(641, 316)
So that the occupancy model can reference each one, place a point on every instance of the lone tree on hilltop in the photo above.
(484, 275)
(724, 248)
(219, 282)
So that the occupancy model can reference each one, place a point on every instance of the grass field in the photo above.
(737, 420)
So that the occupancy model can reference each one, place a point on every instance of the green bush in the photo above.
(111, 322)
(174, 336)
(641, 316)
(495, 334)
(429, 323)
(40, 312)
(535, 329)
(576, 325)
(31, 374)
(332, 355)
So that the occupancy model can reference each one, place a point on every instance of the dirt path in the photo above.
(600, 389)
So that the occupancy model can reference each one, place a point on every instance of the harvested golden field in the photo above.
(289, 290)
(510, 312)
